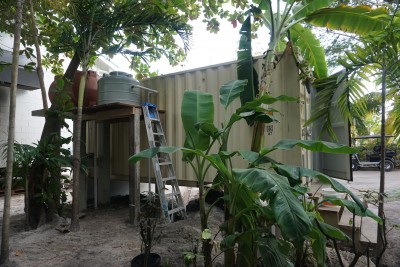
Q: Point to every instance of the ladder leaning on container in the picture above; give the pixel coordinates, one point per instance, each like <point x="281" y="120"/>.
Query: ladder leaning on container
<point x="167" y="184"/>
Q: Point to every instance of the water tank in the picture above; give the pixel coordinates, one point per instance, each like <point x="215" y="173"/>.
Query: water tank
<point x="118" y="87"/>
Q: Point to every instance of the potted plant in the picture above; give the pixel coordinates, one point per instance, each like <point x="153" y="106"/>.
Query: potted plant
<point x="148" y="220"/>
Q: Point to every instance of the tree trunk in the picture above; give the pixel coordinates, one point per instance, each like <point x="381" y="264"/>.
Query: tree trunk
<point x="265" y="86"/>
<point x="5" y="237"/>
<point x="381" y="244"/>
<point x="77" y="150"/>
<point x="50" y="131"/>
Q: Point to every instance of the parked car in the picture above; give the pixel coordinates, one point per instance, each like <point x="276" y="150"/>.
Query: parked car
<point x="372" y="158"/>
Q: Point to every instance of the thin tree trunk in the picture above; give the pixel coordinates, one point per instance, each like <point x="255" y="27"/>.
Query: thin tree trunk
<point x="38" y="57"/>
<point x="5" y="237"/>
<point x="381" y="244"/>
<point x="77" y="151"/>
<point x="265" y="87"/>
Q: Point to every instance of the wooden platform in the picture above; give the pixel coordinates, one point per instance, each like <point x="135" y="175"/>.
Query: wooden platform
<point x="103" y="116"/>
<point x="365" y="228"/>
<point x="15" y="191"/>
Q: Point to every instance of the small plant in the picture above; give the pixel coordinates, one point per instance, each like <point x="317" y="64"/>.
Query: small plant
<point x="190" y="257"/>
<point x="149" y="217"/>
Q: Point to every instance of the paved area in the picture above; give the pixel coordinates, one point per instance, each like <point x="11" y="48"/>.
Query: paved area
<point x="368" y="179"/>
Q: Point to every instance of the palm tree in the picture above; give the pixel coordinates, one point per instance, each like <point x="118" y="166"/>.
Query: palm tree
<point x="112" y="26"/>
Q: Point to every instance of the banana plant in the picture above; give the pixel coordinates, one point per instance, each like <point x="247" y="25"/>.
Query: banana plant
<point x="248" y="224"/>
<point x="286" y="21"/>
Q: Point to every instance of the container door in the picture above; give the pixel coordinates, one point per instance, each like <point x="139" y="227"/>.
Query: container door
<point x="334" y="165"/>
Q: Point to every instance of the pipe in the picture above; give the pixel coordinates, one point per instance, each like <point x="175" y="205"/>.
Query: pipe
<point x="95" y="165"/>
<point x="145" y="88"/>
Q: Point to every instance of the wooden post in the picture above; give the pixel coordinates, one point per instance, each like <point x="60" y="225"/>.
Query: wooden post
<point x="82" y="176"/>
<point x="134" y="169"/>
<point x="104" y="163"/>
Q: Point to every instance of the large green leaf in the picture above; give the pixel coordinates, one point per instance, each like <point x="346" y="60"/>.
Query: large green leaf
<point x="264" y="99"/>
<point x="303" y="9"/>
<point x="294" y="174"/>
<point x="315" y="146"/>
<point x="230" y="91"/>
<point x="355" y="208"/>
<point x="318" y="244"/>
<point x="290" y="216"/>
<point x="310" y="49"/>
<point x="274" y="252"/>
<point x="359" y="20"/>
<point x="245" y="63"/>
<point x="332" y="231"/>
<point x="197" y="108"/>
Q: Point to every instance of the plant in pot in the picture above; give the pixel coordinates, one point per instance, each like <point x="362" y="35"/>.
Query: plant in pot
<point x="150" y="216"/>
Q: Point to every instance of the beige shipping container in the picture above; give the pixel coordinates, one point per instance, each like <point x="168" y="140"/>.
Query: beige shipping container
<point x="171" y="88"/>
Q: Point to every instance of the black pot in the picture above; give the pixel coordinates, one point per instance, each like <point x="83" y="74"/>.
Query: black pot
<point x="154" y="260"/>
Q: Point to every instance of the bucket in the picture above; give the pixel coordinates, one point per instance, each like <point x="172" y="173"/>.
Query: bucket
<point x="329" y="193"/>
<point x="119" y="87"/>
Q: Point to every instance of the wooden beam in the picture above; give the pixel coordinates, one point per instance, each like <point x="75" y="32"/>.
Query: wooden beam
<point x="111" y="114"/>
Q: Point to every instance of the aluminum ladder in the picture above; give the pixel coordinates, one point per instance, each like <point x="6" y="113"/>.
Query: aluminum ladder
<point x="167" y="184"/>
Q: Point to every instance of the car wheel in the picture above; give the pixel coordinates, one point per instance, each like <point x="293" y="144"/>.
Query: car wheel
<point x="354" y="165"/>
<point x="389" y="166"/>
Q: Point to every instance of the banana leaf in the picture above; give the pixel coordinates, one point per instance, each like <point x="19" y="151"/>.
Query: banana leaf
<point x="245" y="69"/>
<point x="310" y="48"/>
<point x="230" y="91"/>
<point x="197" y="107"/>
<point x="274" y="188"/>
<point x="315" y="146"/>
<point x="303" y="9"/>
<point x="359" y="20"/>
<point x="274" y="252"/>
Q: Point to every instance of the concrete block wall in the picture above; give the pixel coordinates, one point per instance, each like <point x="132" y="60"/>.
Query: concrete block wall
<point x="27" y="128"/>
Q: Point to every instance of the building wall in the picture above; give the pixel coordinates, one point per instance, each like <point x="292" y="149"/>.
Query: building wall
<point x="209" y="79"/>
<point x="27" y="128"/>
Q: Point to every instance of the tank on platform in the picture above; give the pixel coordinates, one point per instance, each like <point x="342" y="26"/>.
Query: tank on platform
<point x="119" y="87"/>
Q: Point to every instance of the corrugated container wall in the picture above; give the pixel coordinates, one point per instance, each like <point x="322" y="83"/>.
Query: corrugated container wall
<point x="209" y="79"/>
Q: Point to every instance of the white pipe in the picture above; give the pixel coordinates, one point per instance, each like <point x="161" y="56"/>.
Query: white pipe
<point x="145" y="88"/>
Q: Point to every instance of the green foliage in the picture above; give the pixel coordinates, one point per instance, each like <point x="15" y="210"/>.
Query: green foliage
<point x="310" y="49"/>
<point x="141" y="30"/>
<point x="245" y="68"/>
<point x="276" y="190"/>
<point x="376" y="52"/>
<point x="248" y="224"/>
<point x="359" y="20"/>
<point x="198" y="108"/>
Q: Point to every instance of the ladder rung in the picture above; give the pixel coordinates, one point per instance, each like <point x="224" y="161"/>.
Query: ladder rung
<point x="164" y="163"/>
<point x="154" y="119"/>
<point x="169" y="178"/>
<point x="175" y="210"/>
<point x="158" y="134"/>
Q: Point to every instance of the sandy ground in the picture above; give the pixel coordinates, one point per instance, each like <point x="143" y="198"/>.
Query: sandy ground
<point x="107" y="239"/>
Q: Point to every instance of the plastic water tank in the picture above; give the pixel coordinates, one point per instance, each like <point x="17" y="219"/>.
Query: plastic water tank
<point x="118" y="86"/>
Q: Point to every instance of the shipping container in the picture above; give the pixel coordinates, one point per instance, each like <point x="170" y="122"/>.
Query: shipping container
<point x="171" y="88"/>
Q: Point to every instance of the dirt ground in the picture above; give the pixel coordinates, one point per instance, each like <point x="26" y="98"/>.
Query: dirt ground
<point x="107" y="239"/>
